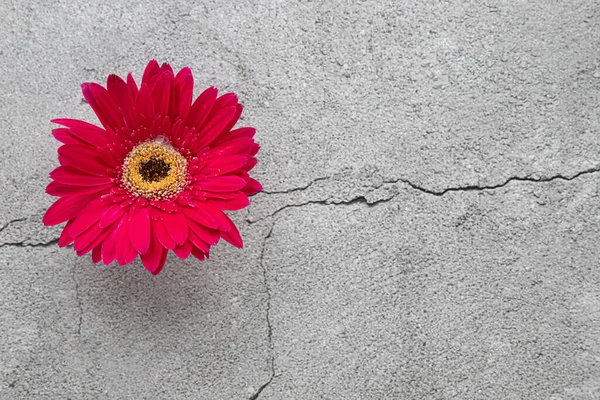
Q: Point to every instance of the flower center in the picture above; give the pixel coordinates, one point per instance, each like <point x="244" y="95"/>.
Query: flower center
<point x="154" y="170"/>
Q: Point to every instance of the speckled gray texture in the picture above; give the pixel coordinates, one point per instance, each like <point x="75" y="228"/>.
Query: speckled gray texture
<point x="429" y="227"/>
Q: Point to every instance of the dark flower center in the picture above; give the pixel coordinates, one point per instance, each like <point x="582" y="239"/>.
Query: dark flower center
<point x="154" y="170"/>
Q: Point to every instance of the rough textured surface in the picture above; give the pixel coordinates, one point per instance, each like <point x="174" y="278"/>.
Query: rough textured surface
<point x="429" y="228"/>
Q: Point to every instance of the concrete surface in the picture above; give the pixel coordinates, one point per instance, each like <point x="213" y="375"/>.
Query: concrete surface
<point x="429" y="227"/>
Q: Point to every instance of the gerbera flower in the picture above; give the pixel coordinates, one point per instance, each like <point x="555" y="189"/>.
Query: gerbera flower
<point x="157" y="176"/>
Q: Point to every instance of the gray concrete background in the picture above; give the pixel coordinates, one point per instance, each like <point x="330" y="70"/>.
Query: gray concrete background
<point x="429" y="229"/>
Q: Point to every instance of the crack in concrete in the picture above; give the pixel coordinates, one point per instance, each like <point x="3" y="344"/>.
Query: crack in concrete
<point x="79" y="303"/>
<point x="268" y="313"/>
<point x="24" y="244"/>
<point x="497" y="186"/>
<point x="3" y="227"/>
<point x="298" y="189"/>
<point x="469" y="188"/>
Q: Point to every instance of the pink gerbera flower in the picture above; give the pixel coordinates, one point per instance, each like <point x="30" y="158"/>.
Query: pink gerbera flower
<point x="157" y="176"/>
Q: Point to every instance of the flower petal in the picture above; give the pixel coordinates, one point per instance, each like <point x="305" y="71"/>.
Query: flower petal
<point x="122" y="96"/>
<point x="214" y="127"/>
<point x="109" y="247"/>
<point x="245" y="132"/>
<point x="225" y="164"/>
<point x="60" y="189"/>
<point x="112" y="214"/>
<point x="232" y="235"/>
<point x="65" y="136"/>
<point x="226" y="183"/>
<point x="183" y="88"/>
<point x="236" y="116"/>
<point x="161" y="93"/>
<point x="66" y="208"/>
<point x="241" y="145"/>
<point x="198" y="242"/>
<point x="154" y="258"/>
<point x="152" y="70"/>
<point x="200" y="215"/>
<point x="201" y="107"/>
<point x="177" y="226"/>
<point x="199" y="254"/>
<point x="102" y="104"/>
<point x="85" y="242"/>
<point x="71" y="176"/>
<point x="139" y="229"/>
<point x="210" y="236"/>
<point x="223" y="222"/>
<point x="97" y="254"/>
<point x="252" y="187"/>
<point x="159" y="230"/>
<point x="87" y="132"/>
<point x="240" y="201"/>
<point x="65" y="236"/>
<point x="183" y="251"/>
<point x="88" y="216"/>
<point x="144" y="106"/>
<point x="125" y="251"/>
<point x="82" y="157"/>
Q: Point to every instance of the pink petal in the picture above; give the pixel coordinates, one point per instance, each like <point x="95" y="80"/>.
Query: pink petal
<point x="246" y="132"/>
<point x="139" y="229"/>
<point x="200" y="215"/>
<point x="72" y="176"/>
<point x="223" y="222"/>
<point x="112" y="214"/>
<point x="198" y="242"/>
<point x="125" y="252"/>
<point x="88" y="217"/>
<point x="82" y="157"/>
<point x="201" y="107"/>
<point x="65" y="209"/>
<point x="199" y="254"/>
<point x="132" y="88"/>
<point x="232" y="235"/>
<point x="210" y="236"/>
<point x="183" y="88"/>
<point x="252" y="187"/>
<point x="177" y="226"/>
<point x="65" y="136"/>
<point x="104" y="107"/>
<point x="60" y="189"/>
<point x="214" y="127"/>
<point x="151" y="71"/>
<point x="121" y="95"/>
<point x="161" y="93"/>
<point x="97" y="240"/>
<point x="225" y="164"/>
<point x="223" y="184"/>
<point x="65" y="237"/>
<point x="237" y="203"/>
<point x="183" y="251"/>
<point x="238" y="112"/>
<point x="144" y="106"/>
<point x="165" y="67"/>
<point x="97" y="254"/>
<point x="236" y="146"/>
<point x="250" y="163"/>
<point x="159" y="230"/>
<point x="87" y="132"/>
<point x="85" y="242"/>
<point x="226" y="100"/>
<point x="109" y="247"/>
<point x="154" y="258"/>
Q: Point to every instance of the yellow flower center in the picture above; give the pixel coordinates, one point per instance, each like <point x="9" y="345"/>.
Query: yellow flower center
<point x="154" y="170"/>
